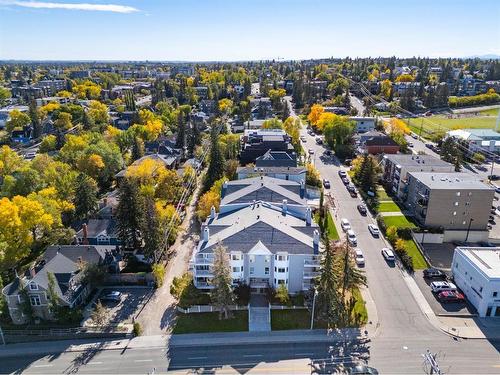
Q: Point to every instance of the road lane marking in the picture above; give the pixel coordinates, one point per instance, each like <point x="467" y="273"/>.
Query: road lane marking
<point x="252" y="355"/>
<point x="143" y="360"/>
<point x="197" y="357"/>
<point x="94" y="363"/>
<point x="43" y="365"/>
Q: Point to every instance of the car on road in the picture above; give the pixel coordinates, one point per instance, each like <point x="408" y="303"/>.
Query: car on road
<point x="351" y="237"/>
<point x="497" y="190"/>
<point x="410" y="144"/>
<point x="374" y="230"/>
<point x="429" y="145"/>
<point x="311" y="151"/>
<point x="303" y="138"/>
<point x="359" y="258"/>
<point x="345" y="225"/>
<point x="344" y="174"/>
<point x="494" y="177"/>
<point x="345" y="180"/>
<point x="414" y="136"/>
<point x="319" y="141"/>
<point x="388" y="254"/>
<point x="362" y="209"/>
<point x="30" y="155"/>
<point x="442" y="286"/>
<point x="327" y="153"/>
<point x="363" y="370"/>
<point x="433" y="273"/>
<point x="113" y="296"/>
<point x="347" y="161"/>
<point x="449" y="296"/>
<point x="326" y="183"/>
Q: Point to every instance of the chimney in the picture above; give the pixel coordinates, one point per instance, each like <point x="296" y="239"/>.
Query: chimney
<point x="206" y="234"/>
<point x="308" y="215"/>
<point x="224" y="189"/>
<point x="284" y="206"/>
<point x="302" y="189"/>
<point x="85" y="234"/>
<point x="212" y="212"/>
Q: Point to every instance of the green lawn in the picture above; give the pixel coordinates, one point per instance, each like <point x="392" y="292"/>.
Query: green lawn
<point x="331" y="229"/>
<point x="382" y="195"/>
<point x="437" y="123"/>
<point x="397" y="221"/>
<point x="388" y="207"/>
<point x="419" y="262"/>
<point x="360" y="307"/>
<point x="490" y="112"/>
<point x="290" y="319"/>
<point x="209" y="322"/>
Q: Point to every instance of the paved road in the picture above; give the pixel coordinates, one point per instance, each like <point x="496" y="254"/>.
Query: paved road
<point x="358" y="104"/>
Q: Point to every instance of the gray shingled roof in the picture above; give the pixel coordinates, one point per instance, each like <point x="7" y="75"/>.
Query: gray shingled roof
<point x="263" y="222"/>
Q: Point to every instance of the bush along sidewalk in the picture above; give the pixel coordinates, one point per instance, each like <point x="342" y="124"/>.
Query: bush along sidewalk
<point x="397" y="238"/>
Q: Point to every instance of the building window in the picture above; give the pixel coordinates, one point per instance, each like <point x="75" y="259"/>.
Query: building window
<point x="35" y="301"/>
<point x="281" y="270"/>
<point x="458" y="193"/>
<point x="281" y="257"/>
<point x="267" y="259"/>
<point x="470" y="193"/>
<point x="236" y="269"/>
<point x="495" y="294"/>
<point x="235" y="257"/>
<point x="480" y="289"/>
<point x="252" y="258"/>
<point x="281" y="282"/>
<point x="33" y="286"/>
<point x="266" y="270"/>
<point x="463" y="223"/>
<point x="252" y="269"/>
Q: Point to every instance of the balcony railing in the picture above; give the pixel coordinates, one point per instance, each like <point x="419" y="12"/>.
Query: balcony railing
<point x="203" y="260"/>
<point x="310" y="274"/>
<point x="202" y="284"/>
<point x="311" y="262"/>
<point x="203" y="272"/>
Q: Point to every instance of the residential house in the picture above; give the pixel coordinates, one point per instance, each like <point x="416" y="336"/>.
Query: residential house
<point x="169" y="161"/>
<point x="396" y="167"/>
<point x="297" y="174"/>
<point x="65" y="263"/>
<point x="101" y="231"/>
<point x="476" y="271"/>
<point x="208" y="106"/>
<point x="49" y="99"/>
<point x="363" y="124"/>
<point x="201" y="92"/>
<point x="451" y="201"/>
<point x="79" y="74"/>
<point x="51" y="86"/>
<point x="261" y="108"/>
<point x="276" y="159"/>
<point x="342" y="111"/>
<point x="256" y="143"/>
<point x="377" y="143"/>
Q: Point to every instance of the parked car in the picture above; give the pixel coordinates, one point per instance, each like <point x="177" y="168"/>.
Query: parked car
<point x="497" y="190"/>
<point x="303" y="138"/>
<point x="410" y="144"/>
<point x="450" y="296"/>
<point x="373" y="230"/>
<point x="363" y="370"/>
<point x="358" y="256"/>
<point x="344" y="174"/>
<point x="326" y="183"/>
<point x="442" y="286"/>
<point x="113" y="296"/>
<point x="414" y="136"/>
<point x="494" y="177"/>
<point x="327" y="153"/>
<point x="433" y="273"/>
<point x="429" y="145"/>
<point x="388" y="254"/>
<point x="351" y="237"/>
<point x="311" y="151"/>
<point x="345" y="180"/>
<point x="344" y="223"/>
<point x="362" y="209"/>
<point x="319" y="141"/>
<point x="353" y="193"/>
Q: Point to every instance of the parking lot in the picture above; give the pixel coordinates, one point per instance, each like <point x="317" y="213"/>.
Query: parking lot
<point x="131" y="302"/>
<point x="440" y="255"/>
<point x="443" y="309"/>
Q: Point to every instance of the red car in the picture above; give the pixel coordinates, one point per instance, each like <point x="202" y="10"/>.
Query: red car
<point x="451" y="296"/>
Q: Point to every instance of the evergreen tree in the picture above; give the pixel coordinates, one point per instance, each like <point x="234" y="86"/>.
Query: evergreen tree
<point x="216" y="166"/>
<point x="222" y="294"/>
<point x="129" y="213"/>
<point x="350" y="276"/>
<point x="53" y="300"/>
<point x="152" y="231"/>
<point x="286" y="111"/>
<point x="85" y="199"/>
<point x="327" y="301"/>
<point x="180" y="141"/>
<point x="194" y="138"/>
<point x="35" y="120"/>
<point x="137" y="149"/>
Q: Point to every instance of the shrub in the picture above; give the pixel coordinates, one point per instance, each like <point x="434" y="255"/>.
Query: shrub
<point x="400" y="245"/>
<point x="137" y="329"/>
<point x="404" y="233"/>
<point x="185" y="292"/>
<point x="282" y="294"/>
<point x="392" y="234"/>
<point x="159" y="274"/>
<point x="381" y="224"/>
<point x="406" y="259"/>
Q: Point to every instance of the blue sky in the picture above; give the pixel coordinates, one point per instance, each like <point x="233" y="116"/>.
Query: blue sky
<point x="245" y="29"/>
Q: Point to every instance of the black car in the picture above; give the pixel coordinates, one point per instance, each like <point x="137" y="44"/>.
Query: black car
<point x="362" y="209"/>
<point x="345" y="180"/>
<point x="363" y="370"/>
<point x="433" y="273"/>
<point x="326" y="183"/>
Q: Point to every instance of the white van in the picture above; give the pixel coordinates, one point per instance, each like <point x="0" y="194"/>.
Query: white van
<point x="344" y="223"/>
<point x="351" y="237"/>
<point x="442" y="286"/>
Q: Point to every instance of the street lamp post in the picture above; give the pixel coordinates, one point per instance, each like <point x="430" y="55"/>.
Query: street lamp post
<point x="423" y="235"/>
<point x="468" y="230"/>
<point x="314" y="305"/>
<point x="1" y="335"/>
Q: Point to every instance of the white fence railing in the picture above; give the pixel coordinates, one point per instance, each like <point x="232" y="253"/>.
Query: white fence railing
<point x="207" y="308"/>
<point x="281" y="307"/>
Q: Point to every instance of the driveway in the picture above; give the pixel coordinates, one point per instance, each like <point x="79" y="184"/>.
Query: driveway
<point x="132" y="301"/>
<point x="441" y="309"/>
<point x="440" y="255"/>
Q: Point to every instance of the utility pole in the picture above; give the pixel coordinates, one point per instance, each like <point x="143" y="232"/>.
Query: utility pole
<point x="431" y="361"/>
<point x="313" y="306"/>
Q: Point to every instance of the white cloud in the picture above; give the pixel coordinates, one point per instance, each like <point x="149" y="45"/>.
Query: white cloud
<point x="73" y="6"/>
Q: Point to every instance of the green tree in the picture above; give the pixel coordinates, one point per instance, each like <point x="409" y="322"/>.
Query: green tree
<point x="274" y="123"/>
<point x="158" y="274"/>
<point x="35" y="120"/>
<point x="129" y="213"/>
<point x="17" y="120"/>
<point x="152" y="230"/>
<point x="216" y="166"/>
<point x="53" y="299"/>
<point x="338" y="133"/>
<point x="137" y="149"/>
<point x="282" y="294"/>
<point x="327" y="302"/>
<point x="88" y="122"/>
<point x="85" y="199"/>
<point x="350" y="276"/>
<point x="4" y="95"/>
<point x="222" y="294"/>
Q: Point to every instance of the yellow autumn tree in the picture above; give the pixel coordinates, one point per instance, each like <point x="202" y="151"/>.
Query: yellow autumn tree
<point x="169" y="185"/>
<point x="225" y="105"/>
<point x="146" y="172"/>
<point x="314" y="115"/>
<point x="207" y="200"/>
<point x="396" y="125"/>
<point x="405" y="78"/>
<point x="91" y="164"/>
<point x="325" y="118"/>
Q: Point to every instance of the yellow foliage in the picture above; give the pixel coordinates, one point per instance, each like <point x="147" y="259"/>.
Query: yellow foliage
<point x="396" y="125"/>
<point x="314" y="115"/>
<point x="405" y="78"/>
<point x="64" y="94"/>
<point x="325" y="118"/>
<point x="111" y="133"/>
<point x="190" y="81"/>
<point x="153" y="129"/>
<point x="146" y="171"/>
<point x="49" y="108"/>
<point x="225" y="105"/>
<point x="205" y="204"/>
<point x="10" y="161"/>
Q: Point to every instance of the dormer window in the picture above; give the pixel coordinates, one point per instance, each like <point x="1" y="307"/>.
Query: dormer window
<point x="33" y="286"/>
